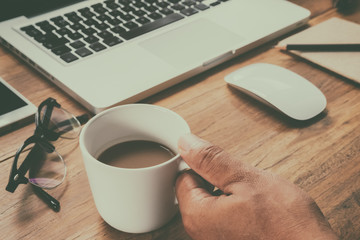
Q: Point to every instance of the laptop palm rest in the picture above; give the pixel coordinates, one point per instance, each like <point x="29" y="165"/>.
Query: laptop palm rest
<point x="193" y="43"/>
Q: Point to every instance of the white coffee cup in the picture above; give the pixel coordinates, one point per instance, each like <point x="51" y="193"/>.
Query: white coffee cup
<point x="133" y="200"/>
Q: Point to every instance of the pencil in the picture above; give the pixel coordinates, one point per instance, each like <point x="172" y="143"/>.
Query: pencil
<point x="321" y="47"/>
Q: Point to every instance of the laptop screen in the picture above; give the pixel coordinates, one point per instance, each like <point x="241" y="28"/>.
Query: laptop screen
<point x="15" y="8"/>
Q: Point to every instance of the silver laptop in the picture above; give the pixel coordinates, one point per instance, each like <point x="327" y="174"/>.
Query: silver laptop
<point x="105" y="53"/>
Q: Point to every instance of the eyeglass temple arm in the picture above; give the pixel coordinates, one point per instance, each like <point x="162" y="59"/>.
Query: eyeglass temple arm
<point x="50" y="102"/>
<point x="17" y="176"/>
<point x="25" y="166"/>
<point x="47" y="198"/>
<point x="68" y="127"/>
<point x="83" y="118"/>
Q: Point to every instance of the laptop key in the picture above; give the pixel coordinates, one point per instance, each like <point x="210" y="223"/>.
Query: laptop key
<point x="142" y="20"/>
<point x="151" y="26"/>
<point x="201" y="6"/>
<point x="76" y="26"/>
<point x="63" y="31"/>
<point x="33" y="32"/>
<point x="112" y="41"/>
<point x="77" y="44"/>
<point x="127" y="17"/>
<point x="53" y="43"/>
<point x="189" y="2"/>
<point x="166" y="11"/>
<point x="60" y="21"/>
<point x="178" y="7"/>
<point x="111" y="5"/>
<point x="131" y="25"/>
<point x="101" y="26"/>
<point x="68" y="57"/>
<point x="118" y="29"/>
<point x="27" y="28"/>
<point x="46" y="37"/>
<point x="47" y="27"/>
<point x="89" y="22"/>
<point x="73" y="17"/>
<point x="91" y="39"/>
<point x="75" y="36"/>
<point x="151" y="8"/>
<point x="139" y="13"/>
<point x="155" y="16"/>
<point x="99" y="8"/>
<point x="97" y="47"/>
<point x="105" y="34"/>
<point x="188" y="11"/>
<point x="139" y="4"/>
<point x="86" y="13"/>
<point x="162" y="4"/>
<point x="41" y="38"/>
<point x="214" y="3"/>
<point x="89" y="31"/>
<point x="115" y="13"/>
<point x="114" y="21"/>
<point x="83" y="52"/>
<point x="103" y="18"/>
<point x="56" y="19"/>
<point x="42" y="23"/>
<point x="128" y="9"/>
<point x="61" y="50"/>
<point x="124" y="2"/>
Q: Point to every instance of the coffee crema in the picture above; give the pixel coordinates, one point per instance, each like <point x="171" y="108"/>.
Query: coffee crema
<point x="136" y="154"/>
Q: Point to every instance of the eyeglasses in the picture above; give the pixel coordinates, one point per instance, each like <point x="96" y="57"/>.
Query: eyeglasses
<point x="38" y="156"/>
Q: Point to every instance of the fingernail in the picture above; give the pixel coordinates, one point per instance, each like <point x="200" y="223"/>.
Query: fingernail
<point x="188" y="142"/>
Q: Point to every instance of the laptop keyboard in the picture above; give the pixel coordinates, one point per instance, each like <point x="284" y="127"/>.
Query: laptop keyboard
<point x="78" y="34"/>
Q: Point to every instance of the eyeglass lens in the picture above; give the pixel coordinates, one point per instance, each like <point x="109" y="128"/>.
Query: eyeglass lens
<point x="60" y="121"/>
<point x="47" y="168"/>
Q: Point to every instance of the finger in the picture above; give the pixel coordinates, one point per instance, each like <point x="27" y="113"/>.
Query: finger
<point x="191" y="192"/>
<point x="205" y="184"/>
<point x="212" y="163"/>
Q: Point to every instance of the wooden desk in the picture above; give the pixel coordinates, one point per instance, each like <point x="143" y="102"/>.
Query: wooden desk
<point x="322" y="157"/>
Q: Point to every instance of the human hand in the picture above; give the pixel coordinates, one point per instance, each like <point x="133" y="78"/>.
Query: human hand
<point x="252" y="204"/>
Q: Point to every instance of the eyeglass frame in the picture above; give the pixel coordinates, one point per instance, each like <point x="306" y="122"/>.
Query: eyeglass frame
<point x="41" y="138"/>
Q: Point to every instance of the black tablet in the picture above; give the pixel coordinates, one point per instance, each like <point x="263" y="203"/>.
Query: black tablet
<point x="15" y="109"/>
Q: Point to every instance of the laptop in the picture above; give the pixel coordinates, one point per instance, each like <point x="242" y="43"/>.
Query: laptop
<point x="110" y="52"/>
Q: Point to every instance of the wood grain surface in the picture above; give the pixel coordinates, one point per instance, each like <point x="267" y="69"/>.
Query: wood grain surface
<point x="322" y="156"/>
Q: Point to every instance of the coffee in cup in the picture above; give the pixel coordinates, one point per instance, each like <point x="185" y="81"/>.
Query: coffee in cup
<point x="136" y="154"/>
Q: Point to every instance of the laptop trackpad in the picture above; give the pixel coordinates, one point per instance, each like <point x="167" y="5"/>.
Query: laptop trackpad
<point x="193" y="43"/>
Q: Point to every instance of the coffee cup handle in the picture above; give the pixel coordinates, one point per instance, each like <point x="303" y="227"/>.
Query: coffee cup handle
<point x="182" y="166"/>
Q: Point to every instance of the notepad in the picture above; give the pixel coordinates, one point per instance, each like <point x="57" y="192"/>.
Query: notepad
<point x="334" y="30"/>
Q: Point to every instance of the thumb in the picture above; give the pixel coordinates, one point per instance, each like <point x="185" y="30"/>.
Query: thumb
<point x="212" y="163"/>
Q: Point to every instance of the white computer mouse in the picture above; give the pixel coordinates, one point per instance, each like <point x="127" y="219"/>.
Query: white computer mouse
<point x="280" y="88"/>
